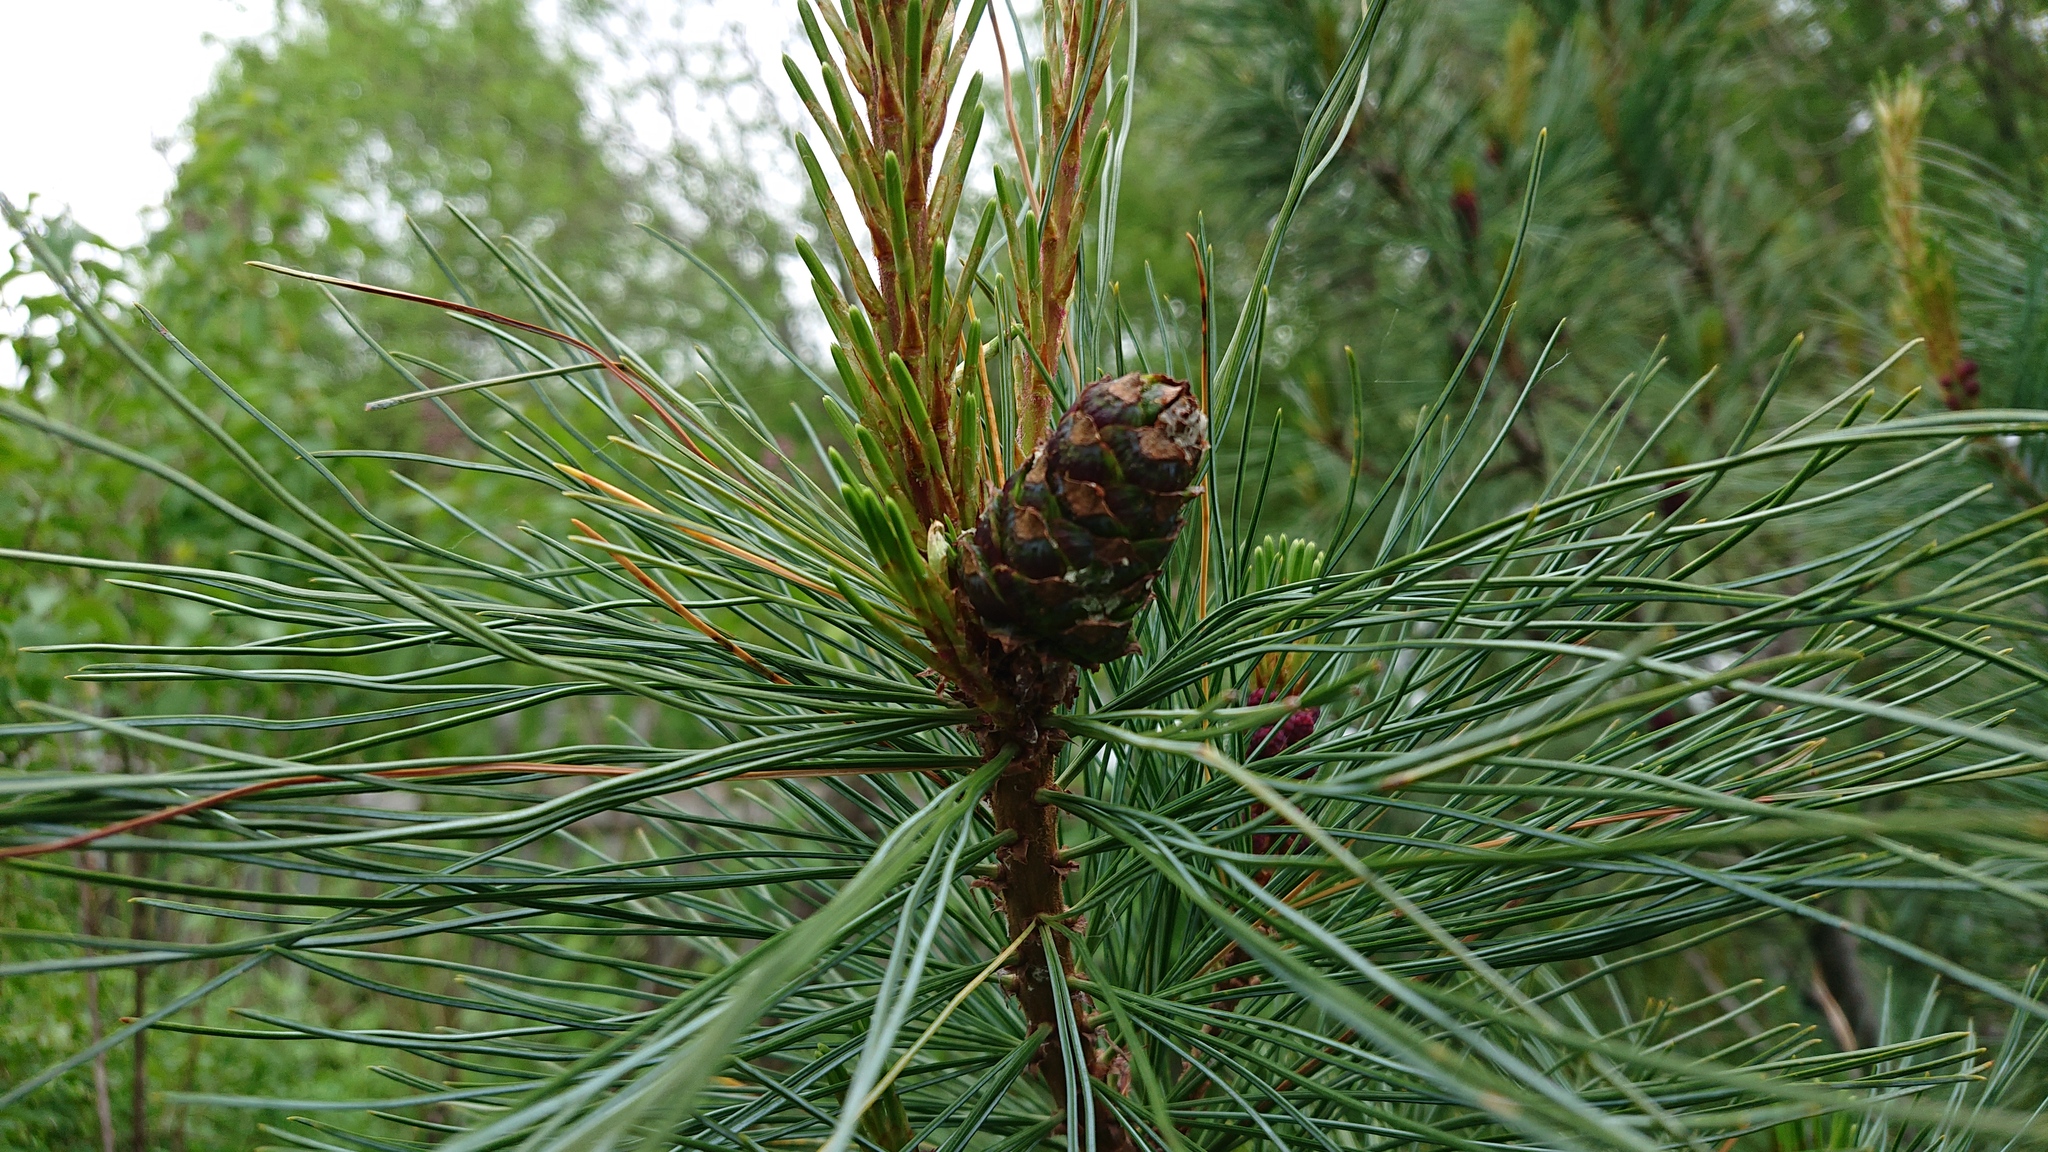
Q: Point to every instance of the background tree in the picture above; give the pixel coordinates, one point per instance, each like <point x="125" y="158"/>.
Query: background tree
<point x="1717" y="184"/>
<point x="1713" y="192"/>
<point x="348" y="139"/>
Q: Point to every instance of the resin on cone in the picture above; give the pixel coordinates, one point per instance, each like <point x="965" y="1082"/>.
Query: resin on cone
<point x="1066" y="555"/>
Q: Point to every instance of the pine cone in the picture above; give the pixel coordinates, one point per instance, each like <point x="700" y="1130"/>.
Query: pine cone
<point x="1066" y="555"/>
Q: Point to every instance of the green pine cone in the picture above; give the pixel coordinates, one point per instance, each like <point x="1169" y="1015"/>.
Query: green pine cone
<point x="1066" y="555"/>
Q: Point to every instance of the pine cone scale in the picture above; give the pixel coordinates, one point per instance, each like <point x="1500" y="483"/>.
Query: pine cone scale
<point x="1065" y="557"/>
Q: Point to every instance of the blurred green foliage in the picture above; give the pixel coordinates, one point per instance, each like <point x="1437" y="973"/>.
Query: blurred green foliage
<point x="358" y="135"/>
<point x="1710" y="192"/>
<point x="349" y="141"/>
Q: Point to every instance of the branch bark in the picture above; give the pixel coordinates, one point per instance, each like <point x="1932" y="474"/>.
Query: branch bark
<point x="1030" y="879"/>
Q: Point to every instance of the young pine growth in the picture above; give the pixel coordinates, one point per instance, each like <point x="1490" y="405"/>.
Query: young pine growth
<point x="1925" y="272"/>
<point x="901" y="325"/>
<point x="1277" y="562"/>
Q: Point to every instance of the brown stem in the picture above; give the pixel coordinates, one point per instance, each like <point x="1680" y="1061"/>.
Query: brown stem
<point x="1030" y="880"/>
<point x="1032" y="886"/>
<point x="1032" y="883"/>
<point x="1067" y="119"/>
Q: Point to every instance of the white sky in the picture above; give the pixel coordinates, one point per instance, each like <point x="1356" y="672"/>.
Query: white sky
<point x="89" y="87"/>
<point x="93" y="92"/>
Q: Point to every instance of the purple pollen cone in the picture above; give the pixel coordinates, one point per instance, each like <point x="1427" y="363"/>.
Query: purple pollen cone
<point x="1273" y="739"/>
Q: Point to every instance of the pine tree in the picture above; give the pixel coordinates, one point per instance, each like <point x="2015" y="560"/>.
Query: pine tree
<point x="1228" y="841"/>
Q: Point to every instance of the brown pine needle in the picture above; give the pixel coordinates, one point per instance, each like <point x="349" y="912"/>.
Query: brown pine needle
<point x="699" y="535"/>
<point x="991" y="448"/>
<point x="1010" y="112"/>
<point x="677" y="606"/>
<point x="611" y="490"/>
<point x="620" y="369"/>
<point x="758" y="560"/>
<point x="426" y="771"/>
